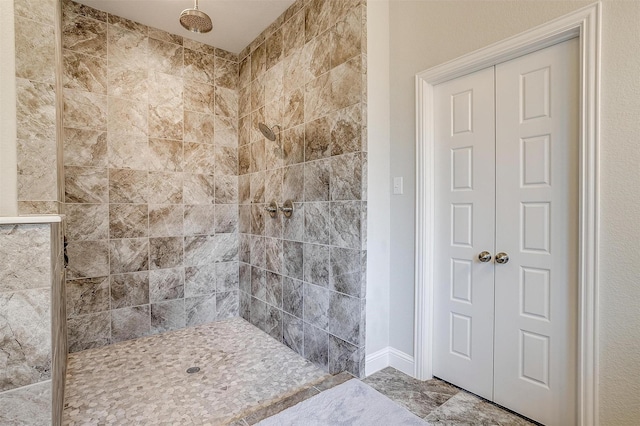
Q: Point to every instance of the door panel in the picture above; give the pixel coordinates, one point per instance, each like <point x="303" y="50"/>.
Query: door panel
<point x="465" y="190"/>
<point x="536" y="224"/>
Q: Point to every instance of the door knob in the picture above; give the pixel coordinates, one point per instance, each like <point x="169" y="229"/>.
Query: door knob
<point x="502" y="258"/>
<point x="484" y="256"/>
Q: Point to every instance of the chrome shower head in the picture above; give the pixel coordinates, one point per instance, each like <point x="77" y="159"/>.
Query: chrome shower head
<point x="195" y="20"/>
<point x="267" y="131"/>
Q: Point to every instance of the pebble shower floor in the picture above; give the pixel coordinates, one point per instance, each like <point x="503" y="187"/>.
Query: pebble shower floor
<point x="145" y="381"/>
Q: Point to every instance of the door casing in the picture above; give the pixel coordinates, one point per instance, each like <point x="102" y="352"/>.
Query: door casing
<point x="585" y="25"/>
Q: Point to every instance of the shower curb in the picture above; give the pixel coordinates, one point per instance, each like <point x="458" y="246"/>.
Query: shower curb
<point x="273" y="407"/>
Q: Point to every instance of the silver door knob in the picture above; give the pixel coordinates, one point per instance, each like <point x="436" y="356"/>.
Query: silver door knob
<point x="502" y="258"/>
<point x="484" y="256"/>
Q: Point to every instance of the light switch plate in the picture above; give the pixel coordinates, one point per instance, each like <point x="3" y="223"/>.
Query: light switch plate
<point x="398" y="185"/>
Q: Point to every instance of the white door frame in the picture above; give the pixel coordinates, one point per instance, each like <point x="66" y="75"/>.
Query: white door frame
<point x="585" y="24"/>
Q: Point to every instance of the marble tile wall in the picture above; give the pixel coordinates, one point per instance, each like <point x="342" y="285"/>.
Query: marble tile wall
<point x="151" y="181"/>
<point x="302" y="280"/>
<point x="25" y="313"/>
<point x="37" y="98"/>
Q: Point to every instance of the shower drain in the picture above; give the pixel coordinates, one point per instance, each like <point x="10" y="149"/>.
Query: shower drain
<point x="192" y="370"/>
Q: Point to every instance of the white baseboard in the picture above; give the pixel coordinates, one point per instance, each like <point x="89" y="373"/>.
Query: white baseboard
<point x="376" y="361"/>
<point x="401" y="361"/>
<point x="389" y="357"/>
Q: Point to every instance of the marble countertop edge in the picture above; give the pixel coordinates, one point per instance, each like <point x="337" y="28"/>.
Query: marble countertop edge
<point x="18" y="220"/>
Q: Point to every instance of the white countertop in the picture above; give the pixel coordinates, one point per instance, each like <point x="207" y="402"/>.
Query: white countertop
<point x="15" y="220"/>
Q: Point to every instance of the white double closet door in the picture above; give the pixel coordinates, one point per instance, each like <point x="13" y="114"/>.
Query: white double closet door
<point x="507" y="182"/>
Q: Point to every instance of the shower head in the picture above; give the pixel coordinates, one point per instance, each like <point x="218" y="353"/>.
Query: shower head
<point x="268" y="132"/>
<point x="195" y="20"/>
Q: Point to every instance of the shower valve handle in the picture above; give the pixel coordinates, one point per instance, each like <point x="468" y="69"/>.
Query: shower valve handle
<point x="272" y="209"/>
<point x="287" y="208"/>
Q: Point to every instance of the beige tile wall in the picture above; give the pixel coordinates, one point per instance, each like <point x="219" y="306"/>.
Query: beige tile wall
<point x="26" y="322"/>
<point x="150" y="162"/>
<point x="36" y="103"/>
<point x="167" y="177"/>
<point x="302" y="279"/>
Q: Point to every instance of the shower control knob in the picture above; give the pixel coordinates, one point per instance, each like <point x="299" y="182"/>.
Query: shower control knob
<point x="502" y="258"/>
<point x="272" y="209"/>
<point x="484" y="256"/>
<point x="287" y="208"/>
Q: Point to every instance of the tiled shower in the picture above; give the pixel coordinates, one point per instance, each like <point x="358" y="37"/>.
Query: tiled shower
<point x="302" y="279"/>
<point x="148" y="142"/>
<point x="150" y="163"/>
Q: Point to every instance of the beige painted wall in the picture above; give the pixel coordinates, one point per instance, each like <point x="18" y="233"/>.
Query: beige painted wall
<point x="379" y="184"/>
<point x="428" y="33"/>
<point x="8" y="161"/>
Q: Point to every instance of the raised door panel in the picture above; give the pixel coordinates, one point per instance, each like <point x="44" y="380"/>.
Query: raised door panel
<point x="536" y="224"/>
<point x="463" y="293"/>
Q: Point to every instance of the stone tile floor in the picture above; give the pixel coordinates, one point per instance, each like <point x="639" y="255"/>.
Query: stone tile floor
<point x="144" y="381"/>
<point x="440" y="403"/>
<point x="435" y="401"/>
<point x="245" y="376"/>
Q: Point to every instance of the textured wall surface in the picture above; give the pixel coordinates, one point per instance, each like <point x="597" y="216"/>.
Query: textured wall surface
<point x="150" y="162"/>
<point x="25" y="315"/>
<point x="35" y="50"/>
<point x="302" y="279"/>
<point x="25" y="300"/>
<point x="33" y="355"/>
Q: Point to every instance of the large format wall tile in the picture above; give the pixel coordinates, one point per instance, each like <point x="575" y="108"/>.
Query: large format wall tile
<point x="199" y="127"/>
<point x="129" y="255"/>
<point x="167" y="316"/>
<point x="130" y="289"/>
<point x="89" y="331"/>
<point x="88" y="259"/>
<point x="89" y="295"/>
<point x="85" y="110"/>
<point x="127" y="48"/>
<point x="165" y="57"/>
<point x="84" y="72"/>
<point x="38" y="10"/>
<point x="301" y="279"/>
<point x="85" y="147"/>
<point x="37" y="176"/>
<point x="86" y="184"/>
<point x="83" y="34"/>
<point x="31" y="402"/>
<point x="35" y="110"/>
<point x="166" y="220"/>
<point x="151" y="161"/>
<point x="166" y="284"/>
<point x="25" y="249"/>
<point x="125" y="82"/>
<point x="130" y="323"/>
<point x="183" y="149"/>
<point x="25" y="330"/>
<point x="35" y="50"/>
<point x="200" y="310"/>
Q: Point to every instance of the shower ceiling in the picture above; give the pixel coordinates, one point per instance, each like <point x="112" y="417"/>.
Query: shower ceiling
<point x="235" y="22"/>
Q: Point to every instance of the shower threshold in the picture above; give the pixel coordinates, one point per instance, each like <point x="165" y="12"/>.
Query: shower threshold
<point x="145" y="381"/>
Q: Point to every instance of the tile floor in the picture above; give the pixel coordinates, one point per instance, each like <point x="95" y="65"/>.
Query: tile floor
<point x="144" y="381"/>
<point x="440" y="403"/>
<point x="245" y="376"/>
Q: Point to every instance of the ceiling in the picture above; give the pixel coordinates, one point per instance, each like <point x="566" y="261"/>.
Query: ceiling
<point x="235" y="22"/>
